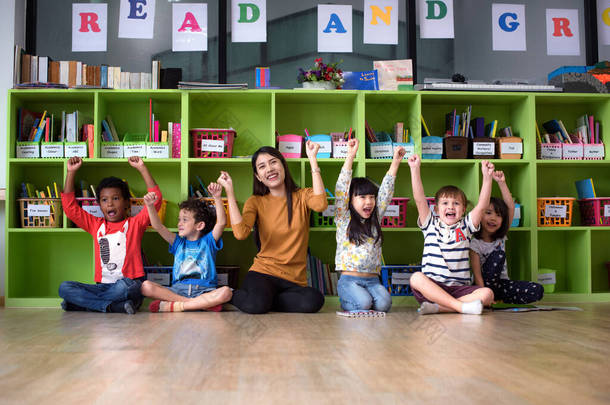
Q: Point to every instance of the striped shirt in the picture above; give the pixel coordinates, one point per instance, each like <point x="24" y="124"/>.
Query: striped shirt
<point x="445" y="257"/>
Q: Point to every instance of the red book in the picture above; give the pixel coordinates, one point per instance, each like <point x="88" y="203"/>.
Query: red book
<point x="90" y="142"/>
<point x="46" y="129"/>
<point x="176" y="140"/>
<point x="156" y="131"/>
<point x="150" y="120"/>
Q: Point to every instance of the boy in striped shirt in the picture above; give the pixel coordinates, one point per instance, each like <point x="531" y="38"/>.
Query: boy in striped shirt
<point x="444" y="284"/>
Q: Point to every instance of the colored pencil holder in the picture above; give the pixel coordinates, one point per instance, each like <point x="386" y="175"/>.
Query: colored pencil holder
<point x="555" y="211"/>
<point x="595" y="211"/>
<point x="325" y="219"/>
<point x="396" y="213"/>
<point x="455" y="147"/>
<point x="594" y="151"/>
<point x="549" y="151"/>
<point x="225" y="204"/>
<point x="547" y="277"/>
<point x="382" y="149"/>
<point x="397" y="279"/>
<point x="290" y="145"/>
<point x="509" y="147"/>
<point x="212" y="142"/>
<point x="326" y="145"/>
<point x="40" y="212"/>
<point x="432" y="147"/>
<point x="483" y="148"/>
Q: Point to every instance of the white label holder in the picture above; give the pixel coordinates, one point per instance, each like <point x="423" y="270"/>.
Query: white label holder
<point x="39" y="210"/>
<point x="556" y="211"/>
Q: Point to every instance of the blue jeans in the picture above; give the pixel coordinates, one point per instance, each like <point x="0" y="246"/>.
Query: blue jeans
<point x="97" y="297"/>
<point x="190" y="290"/>
<point x="363" y="293"/>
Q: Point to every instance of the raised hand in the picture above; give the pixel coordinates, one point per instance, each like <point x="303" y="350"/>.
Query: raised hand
<point x="399" y="153"/>
<point x="215" y="190"/>
<point x="311" y="148"/>
<point x="352" y="147"/>
<point x="414" y="161"/>
<point x="136" y="162"/>
<point x="150" y="198"/>
<point x="498" y="176"/>
<point x="487" y="168"/>
<point x="74" y="163"/>
<point x="225" y="180"/>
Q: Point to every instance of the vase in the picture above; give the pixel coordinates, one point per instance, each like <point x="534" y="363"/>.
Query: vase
<point x="319" y="85"/>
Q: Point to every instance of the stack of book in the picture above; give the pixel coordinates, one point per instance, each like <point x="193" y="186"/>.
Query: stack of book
<point x="320" y="277"/>
<point x="211" y="86"/>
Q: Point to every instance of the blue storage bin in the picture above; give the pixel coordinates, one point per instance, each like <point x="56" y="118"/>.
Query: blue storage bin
<point x="325" y="142"/>
<point x="409" y="148"/>
<point x="380" y="150"/>
<point x="517" y="217"/>
<point x="396" y="278"/>
<point x="432" y="147"/>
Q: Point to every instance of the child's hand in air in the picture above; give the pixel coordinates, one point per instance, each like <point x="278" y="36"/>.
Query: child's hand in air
<point x="74" y="163"/>
<point x="498" y="176"/>
<point x="136" y="162"/>
<point x="414" y="161"/>
<point x="352" y="147"/>
<point x="215" y="190"/>
<point x="150" y="198"/>
<point x="399" y="153"/>
<point x="225" y="180"/>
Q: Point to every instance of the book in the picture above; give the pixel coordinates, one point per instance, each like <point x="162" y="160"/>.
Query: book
<point x="585" y="188"/>
<point x="26" y="120"/>
<point x="17" y="56"/>
<point x="26" y="66"/>
<point x="478" y="127"/>
<point x="43" y="69"/>
<point x="34" y="68"/>
<point x="176" y="140"/>
<point x="64" y="72"/>
<point x="366" y="80"/>
<point x="362" y="313"/>
<point x="529" y="308"/>
<point x="425" y="130"/>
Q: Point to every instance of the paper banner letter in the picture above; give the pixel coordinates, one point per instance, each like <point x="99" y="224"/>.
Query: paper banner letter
<point x="189" y="27"/>
<point x="249" y="20"/>
<point x="380" y="22"/>
<point x="562" y="32"/>
<point x="603" y="22"/>
<point x="435" y="18"/>
<point x="89" y="27"/>
<point x="508" y="27"/>
<point x="334" y="28"/>
<point x="137" y="19"/>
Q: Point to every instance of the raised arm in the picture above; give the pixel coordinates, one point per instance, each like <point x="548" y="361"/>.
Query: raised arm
<point x="137" y="163"/>
<point x="498" y="176"/>
<point x="419" y="196"/>
<point x="311" y="148"/>
<point x="399" y="153"/>
<point x="344" y="181"/>
<point x="477" y="213"/>
<point x="155" y="221"/>
<point x="215" y="190"/>
<point x="74" y="163"/>
<point x="352" y="150"/>
<point x="226" y="182"/>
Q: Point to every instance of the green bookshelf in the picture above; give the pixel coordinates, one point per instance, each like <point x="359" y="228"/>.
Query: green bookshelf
<point x="38" y="259"/>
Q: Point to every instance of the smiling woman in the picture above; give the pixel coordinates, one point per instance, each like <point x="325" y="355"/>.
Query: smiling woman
<point x="279" y="212"/>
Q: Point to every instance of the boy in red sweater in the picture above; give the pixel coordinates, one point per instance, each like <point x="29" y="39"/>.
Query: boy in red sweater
<point x="117" y="238"/>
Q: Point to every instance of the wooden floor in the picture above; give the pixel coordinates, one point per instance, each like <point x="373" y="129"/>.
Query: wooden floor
<point x="49" y="356"/>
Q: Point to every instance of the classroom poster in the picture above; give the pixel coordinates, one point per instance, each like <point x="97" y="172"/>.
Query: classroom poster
<point x="603" y="21"/>
<point x="89" y="27"/>
<point x="508" y="27"/>
<point x="435" y="18"/>
<point x="249" y="20"/>
<point x="189" y="27"/>
<point x="137" y="19"/>
<point x="334" y="28"/>
<point x="562" y="32"/>
<point x="380" y="22"/>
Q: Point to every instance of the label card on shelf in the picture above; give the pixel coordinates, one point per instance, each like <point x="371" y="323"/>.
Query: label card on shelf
<point x="547" y="278"/>
<point x="408" y="147"/>
<point x="511" y="147"/>
<point x="94" y="210"/>
<point x="289" y="147"/>
<point x="556" y="211"/>
<point x="401" y="278"/>
<point x="572" y="151"/>
<point x="392" y="211"/>
<point x="432" y="148"/>
<point x="484" y="148"/>
<point x="157" y="150"/>
<point x="381" y="150"/>
<point x="28" y="150"/>
<point x="136" y="149"/>
<point x="39" y="210"/>
<point x="329" y="211"/>
<point x="112" y="149"/>
<point x="550" y="151"/>
<point x="594" y="151"/>
<point x="72" y="149"/>
<point x="52" y="150"/>
<point x="212" y="145"/>
<point x="607" y="210"/>
<point x="339" y="149"/>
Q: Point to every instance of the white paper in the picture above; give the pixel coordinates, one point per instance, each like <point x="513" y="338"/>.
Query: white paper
<point x="603" y="21"/>
<point x="157" y="151"/>
<point x="189" y="27"/>
<point x="401" y="278"/>
<point x="289" y="147"/>
<point x="138" y="149"/>
<point x="52" y="150"/>
<point x="562" y="32"/>
<point x="79" y="149"/>
<point x="112" y="151"/>
<point x="435" y="18"/>
<point x="39" y="210"/>
<point x="607" y="210"/>
<point x="550" y="152"/>
<point x="508" y="27"/>
<point x="556" y="211"/>
<point x="380" y="22"/>
<point x="484" y="148"/>
<point x="249" y="21"/>
<point x="593" y="151"/>
<point x="212" y="145"/>
<point x="572" y="151"/>
<point x="381" y="151"/>
<point x="340" y="149"/>
<point x="137" y="19"/>
<point x="432" y="148"/>
<point x="89" y="27"/>
<point x="511" y="147"/>
<point x="546" y="278"/>
<point x="94" y="210"/>
<point x="392" y="211"/>
<point x="334" y="28"/>
<point x="28" y="151"/>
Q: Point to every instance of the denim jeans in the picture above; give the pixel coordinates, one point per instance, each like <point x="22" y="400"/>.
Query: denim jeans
<point x="97" y="297"/>
<point x="190" y="290"/>
<point x="363" y="293"/>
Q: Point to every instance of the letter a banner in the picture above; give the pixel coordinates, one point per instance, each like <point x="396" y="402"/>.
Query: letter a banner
<point x="562" y="32"/>
<point x="249" y="20"/>
<point x="508" y="27"/>
<point x="435" y="18"/>
<point x="189" y="27"/>
<point x="137" y="19"/>
<point x="603" y="21"/>
<point x="380" y="22"/>
<point x="89" y="27"/>
<point x="334" y="28"/>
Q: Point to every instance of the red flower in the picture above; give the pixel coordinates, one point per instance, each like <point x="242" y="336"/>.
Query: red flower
<point x="318" y="60"/>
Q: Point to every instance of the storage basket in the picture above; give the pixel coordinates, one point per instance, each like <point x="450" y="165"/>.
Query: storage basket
<point x="325" y="219"/>
<point x="90" y="205"/>
<point x="595" y="211"/>
<point x="40" y="212"/>
<point x="382" y="149"/>
<point x="325" y="143"/>
<point x="397" y="279"/>
<point x="225" y="204"/>
<point x="396" y="213"/>
<point x="509" y="147"/>
<point x="290" y="145"/>
<point x="483" y="148"/>
<point x="455" y="147"/>
<point x="431" y="147"/>
<point x="137" y="205"/>
<point x="212" y="142"/>
<point x="555" y="211"/>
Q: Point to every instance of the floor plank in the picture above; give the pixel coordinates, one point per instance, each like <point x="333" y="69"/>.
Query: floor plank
<point x="48" y="356"/>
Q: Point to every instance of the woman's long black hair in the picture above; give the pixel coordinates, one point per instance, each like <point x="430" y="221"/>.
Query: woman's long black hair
<point x="359" y="229"/>
<point x="258" y="188"/>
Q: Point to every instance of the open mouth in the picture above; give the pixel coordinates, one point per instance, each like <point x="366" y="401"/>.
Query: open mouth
<point x="367" y="211"/>
<point x="273" y="177"/>
<point x="111" y="213"/>
<point x="450" y="215"/>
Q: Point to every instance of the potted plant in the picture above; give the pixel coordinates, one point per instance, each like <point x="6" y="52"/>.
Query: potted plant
<point x="321" y="76"/>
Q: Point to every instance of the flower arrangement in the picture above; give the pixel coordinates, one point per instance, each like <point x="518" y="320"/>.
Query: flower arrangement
<point x="322" y="72"/>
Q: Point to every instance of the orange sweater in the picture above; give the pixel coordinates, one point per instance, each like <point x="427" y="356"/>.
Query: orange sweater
<point x="283" y="251"/>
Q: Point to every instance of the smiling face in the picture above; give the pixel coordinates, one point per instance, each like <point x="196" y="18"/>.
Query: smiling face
<point x="492" y="220"/>
<point x="450" y="209"/>
<point x="270" y="171"/>
<point x="188" y="227"/>
<point x="113" y="205"/>
<point x="364" y="204"/>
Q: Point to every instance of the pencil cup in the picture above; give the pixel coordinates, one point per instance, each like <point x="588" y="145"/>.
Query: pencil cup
<point x="40" y="212"/>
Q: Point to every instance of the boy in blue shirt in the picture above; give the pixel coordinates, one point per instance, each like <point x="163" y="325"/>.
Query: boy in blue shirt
<point x="194" y="250"/>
